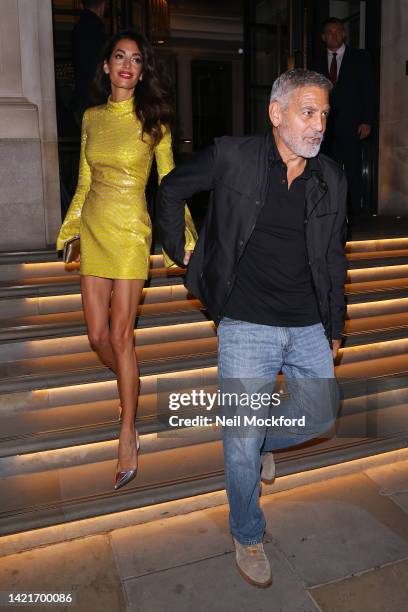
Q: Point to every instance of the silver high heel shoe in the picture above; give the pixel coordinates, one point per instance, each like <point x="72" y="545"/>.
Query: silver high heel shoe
<point x="122" y="477"/>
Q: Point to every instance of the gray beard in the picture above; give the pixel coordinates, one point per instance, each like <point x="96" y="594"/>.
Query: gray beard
<point x="298" y="146"/>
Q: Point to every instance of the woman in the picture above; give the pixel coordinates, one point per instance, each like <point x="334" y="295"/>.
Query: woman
<point x="108" y="211"/>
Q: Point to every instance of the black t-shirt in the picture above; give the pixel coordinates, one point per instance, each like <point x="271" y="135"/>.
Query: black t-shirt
<point x="274" y="285"/>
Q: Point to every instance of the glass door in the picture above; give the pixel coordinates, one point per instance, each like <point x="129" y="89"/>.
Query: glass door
<point x="274" y="41"/>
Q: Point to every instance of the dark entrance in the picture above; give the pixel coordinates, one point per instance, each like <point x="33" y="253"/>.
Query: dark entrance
<point x="212" y="101"/>
<point x="283" y="34"/>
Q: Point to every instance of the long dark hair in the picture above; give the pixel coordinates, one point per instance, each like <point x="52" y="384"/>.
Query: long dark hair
<point x="152" y="95"/>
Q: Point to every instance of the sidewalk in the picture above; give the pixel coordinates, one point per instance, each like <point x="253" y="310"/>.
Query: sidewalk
<point x="337" y="545"/>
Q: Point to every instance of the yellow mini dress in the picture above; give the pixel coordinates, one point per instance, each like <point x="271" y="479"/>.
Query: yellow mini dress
<point x="109" y="209"/>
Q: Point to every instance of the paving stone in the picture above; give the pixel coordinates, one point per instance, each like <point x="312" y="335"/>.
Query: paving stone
<point x="392" y="481"/>
<point x="336" y="528"/>
<point x="171" y="542"/>
<point x="391" y="478"/>
<point x="85" y="567"/>
<point x="380" y="590"/>
<point x="401" y="499"/>
<point x="215" y="584"/>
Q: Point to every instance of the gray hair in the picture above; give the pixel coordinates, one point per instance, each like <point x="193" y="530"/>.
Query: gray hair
<point x="287" y="82"/>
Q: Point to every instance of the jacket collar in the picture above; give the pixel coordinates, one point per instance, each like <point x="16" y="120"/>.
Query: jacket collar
<point x="316" y="187"/>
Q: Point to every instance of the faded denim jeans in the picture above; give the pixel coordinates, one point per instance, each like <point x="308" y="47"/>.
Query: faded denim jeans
<point x="250" y="357"/>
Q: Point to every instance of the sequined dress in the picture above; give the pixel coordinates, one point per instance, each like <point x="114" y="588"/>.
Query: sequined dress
<point x="109" y="209"/>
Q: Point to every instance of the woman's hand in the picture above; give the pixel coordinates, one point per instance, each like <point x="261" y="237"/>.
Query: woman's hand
<point x="336" y="345"/>
<point x="78" y="258"/>
<point x="187" y="255"/>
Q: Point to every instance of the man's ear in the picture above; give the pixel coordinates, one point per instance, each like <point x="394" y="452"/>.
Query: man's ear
<point x="275" y="113"/>
<point x="323" y="35"/>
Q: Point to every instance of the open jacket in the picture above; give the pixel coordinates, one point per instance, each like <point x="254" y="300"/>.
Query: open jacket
<point x="235" y="171"/>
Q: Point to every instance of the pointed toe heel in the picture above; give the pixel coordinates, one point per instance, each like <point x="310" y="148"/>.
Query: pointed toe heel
<point x="123" y="477"/>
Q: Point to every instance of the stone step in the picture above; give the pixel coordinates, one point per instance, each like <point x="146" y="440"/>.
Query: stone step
<point x="79" y="344"/>
<point x="33" y="256"/>
<point x="393" y="288"/>
<point x="81" y="483"/>
<point x="73" y="323"/>
<point x="67" y="416"/>
<point x="355" y="246"/>
<point x="372" y="253"/>
<point x="41" y="305"/>
<point x="80" y="368"/>
<point x="377" y="274"/>
<point x="376" y="246"/>
<point x="367" y="322"/>
<point x="32" y="424"/>
<point x="382" y="323"/>
<point x="62" y="485"/>
<point x="69" y="283"/>
<point x="36" y="419"/>
<point x="48" y="254"/>
<point x="70" y="361"/>
<point x="16" y="271"/>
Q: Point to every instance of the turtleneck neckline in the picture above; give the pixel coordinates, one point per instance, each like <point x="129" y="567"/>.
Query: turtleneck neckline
<point x="120" y="107"/>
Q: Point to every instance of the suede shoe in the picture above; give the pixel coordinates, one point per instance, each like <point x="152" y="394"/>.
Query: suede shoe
<point x="253" y="564"/>
<point x="268" y="471"/>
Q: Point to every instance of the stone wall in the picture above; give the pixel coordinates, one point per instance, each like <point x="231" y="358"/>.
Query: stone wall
<point x="393" y="160"/>
<point x="29" y="173"/>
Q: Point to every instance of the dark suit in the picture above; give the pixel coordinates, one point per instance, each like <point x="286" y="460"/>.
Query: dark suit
<point x="351" y="104"/>
<point x="88" y="39"/>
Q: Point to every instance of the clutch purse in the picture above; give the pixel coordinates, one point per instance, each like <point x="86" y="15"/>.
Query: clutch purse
<point x="71" y="249"/>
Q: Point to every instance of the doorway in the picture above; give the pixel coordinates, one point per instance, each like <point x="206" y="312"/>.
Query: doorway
<point x="212" y="100"/>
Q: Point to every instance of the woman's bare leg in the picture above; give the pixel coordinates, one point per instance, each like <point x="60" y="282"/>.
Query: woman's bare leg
<point x="96" y="296"/>
<point x="125" y="300"/>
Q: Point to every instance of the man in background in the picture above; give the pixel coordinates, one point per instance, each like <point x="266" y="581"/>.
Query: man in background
<point x="88" y="39"/>
<point x="351" y="101"/>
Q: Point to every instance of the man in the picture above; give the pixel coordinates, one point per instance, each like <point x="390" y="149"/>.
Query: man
<point x="88" y="39"/>
<point x="351" y="101"/>
<point x="269" y="265"/>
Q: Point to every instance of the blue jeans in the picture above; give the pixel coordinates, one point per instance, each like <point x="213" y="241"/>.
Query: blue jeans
<point x="250" y="357"/>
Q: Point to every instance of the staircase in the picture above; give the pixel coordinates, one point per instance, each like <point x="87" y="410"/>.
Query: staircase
<point x="58" y="404"/>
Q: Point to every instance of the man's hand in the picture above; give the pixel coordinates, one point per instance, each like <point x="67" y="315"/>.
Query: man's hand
<point x="336" y="345"/>
<point x="363" y="130"/>
<point x="187" y="255"/>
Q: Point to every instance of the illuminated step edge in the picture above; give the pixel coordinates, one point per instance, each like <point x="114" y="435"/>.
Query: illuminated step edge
<point x="77" y="344"/>
<point x="85" y="367"/>
<point x="389" y="322"/>
<point x="369" y="414"/>
<point x="86" y="490"/>
<point x="353" y="362"/>
<point x="60" y="285"/>
<point x="73" y="323"/>
<point x="152" y="298"/>
<point x="376" y="245"/>
<point x="43" y="305"/>
<point x="359" y="275"/>
<point x="63" y="426"/>
<point x="52" y="268"/>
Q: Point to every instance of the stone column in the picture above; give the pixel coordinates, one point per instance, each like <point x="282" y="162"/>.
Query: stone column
<point x="393" y="162"/>
<point x="29" y="172"/>
<point x="184" y="102"/>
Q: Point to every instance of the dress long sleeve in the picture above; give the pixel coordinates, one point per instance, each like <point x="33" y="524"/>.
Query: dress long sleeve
<point x="165" y="163"/>
<point x="70" y="226"/>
